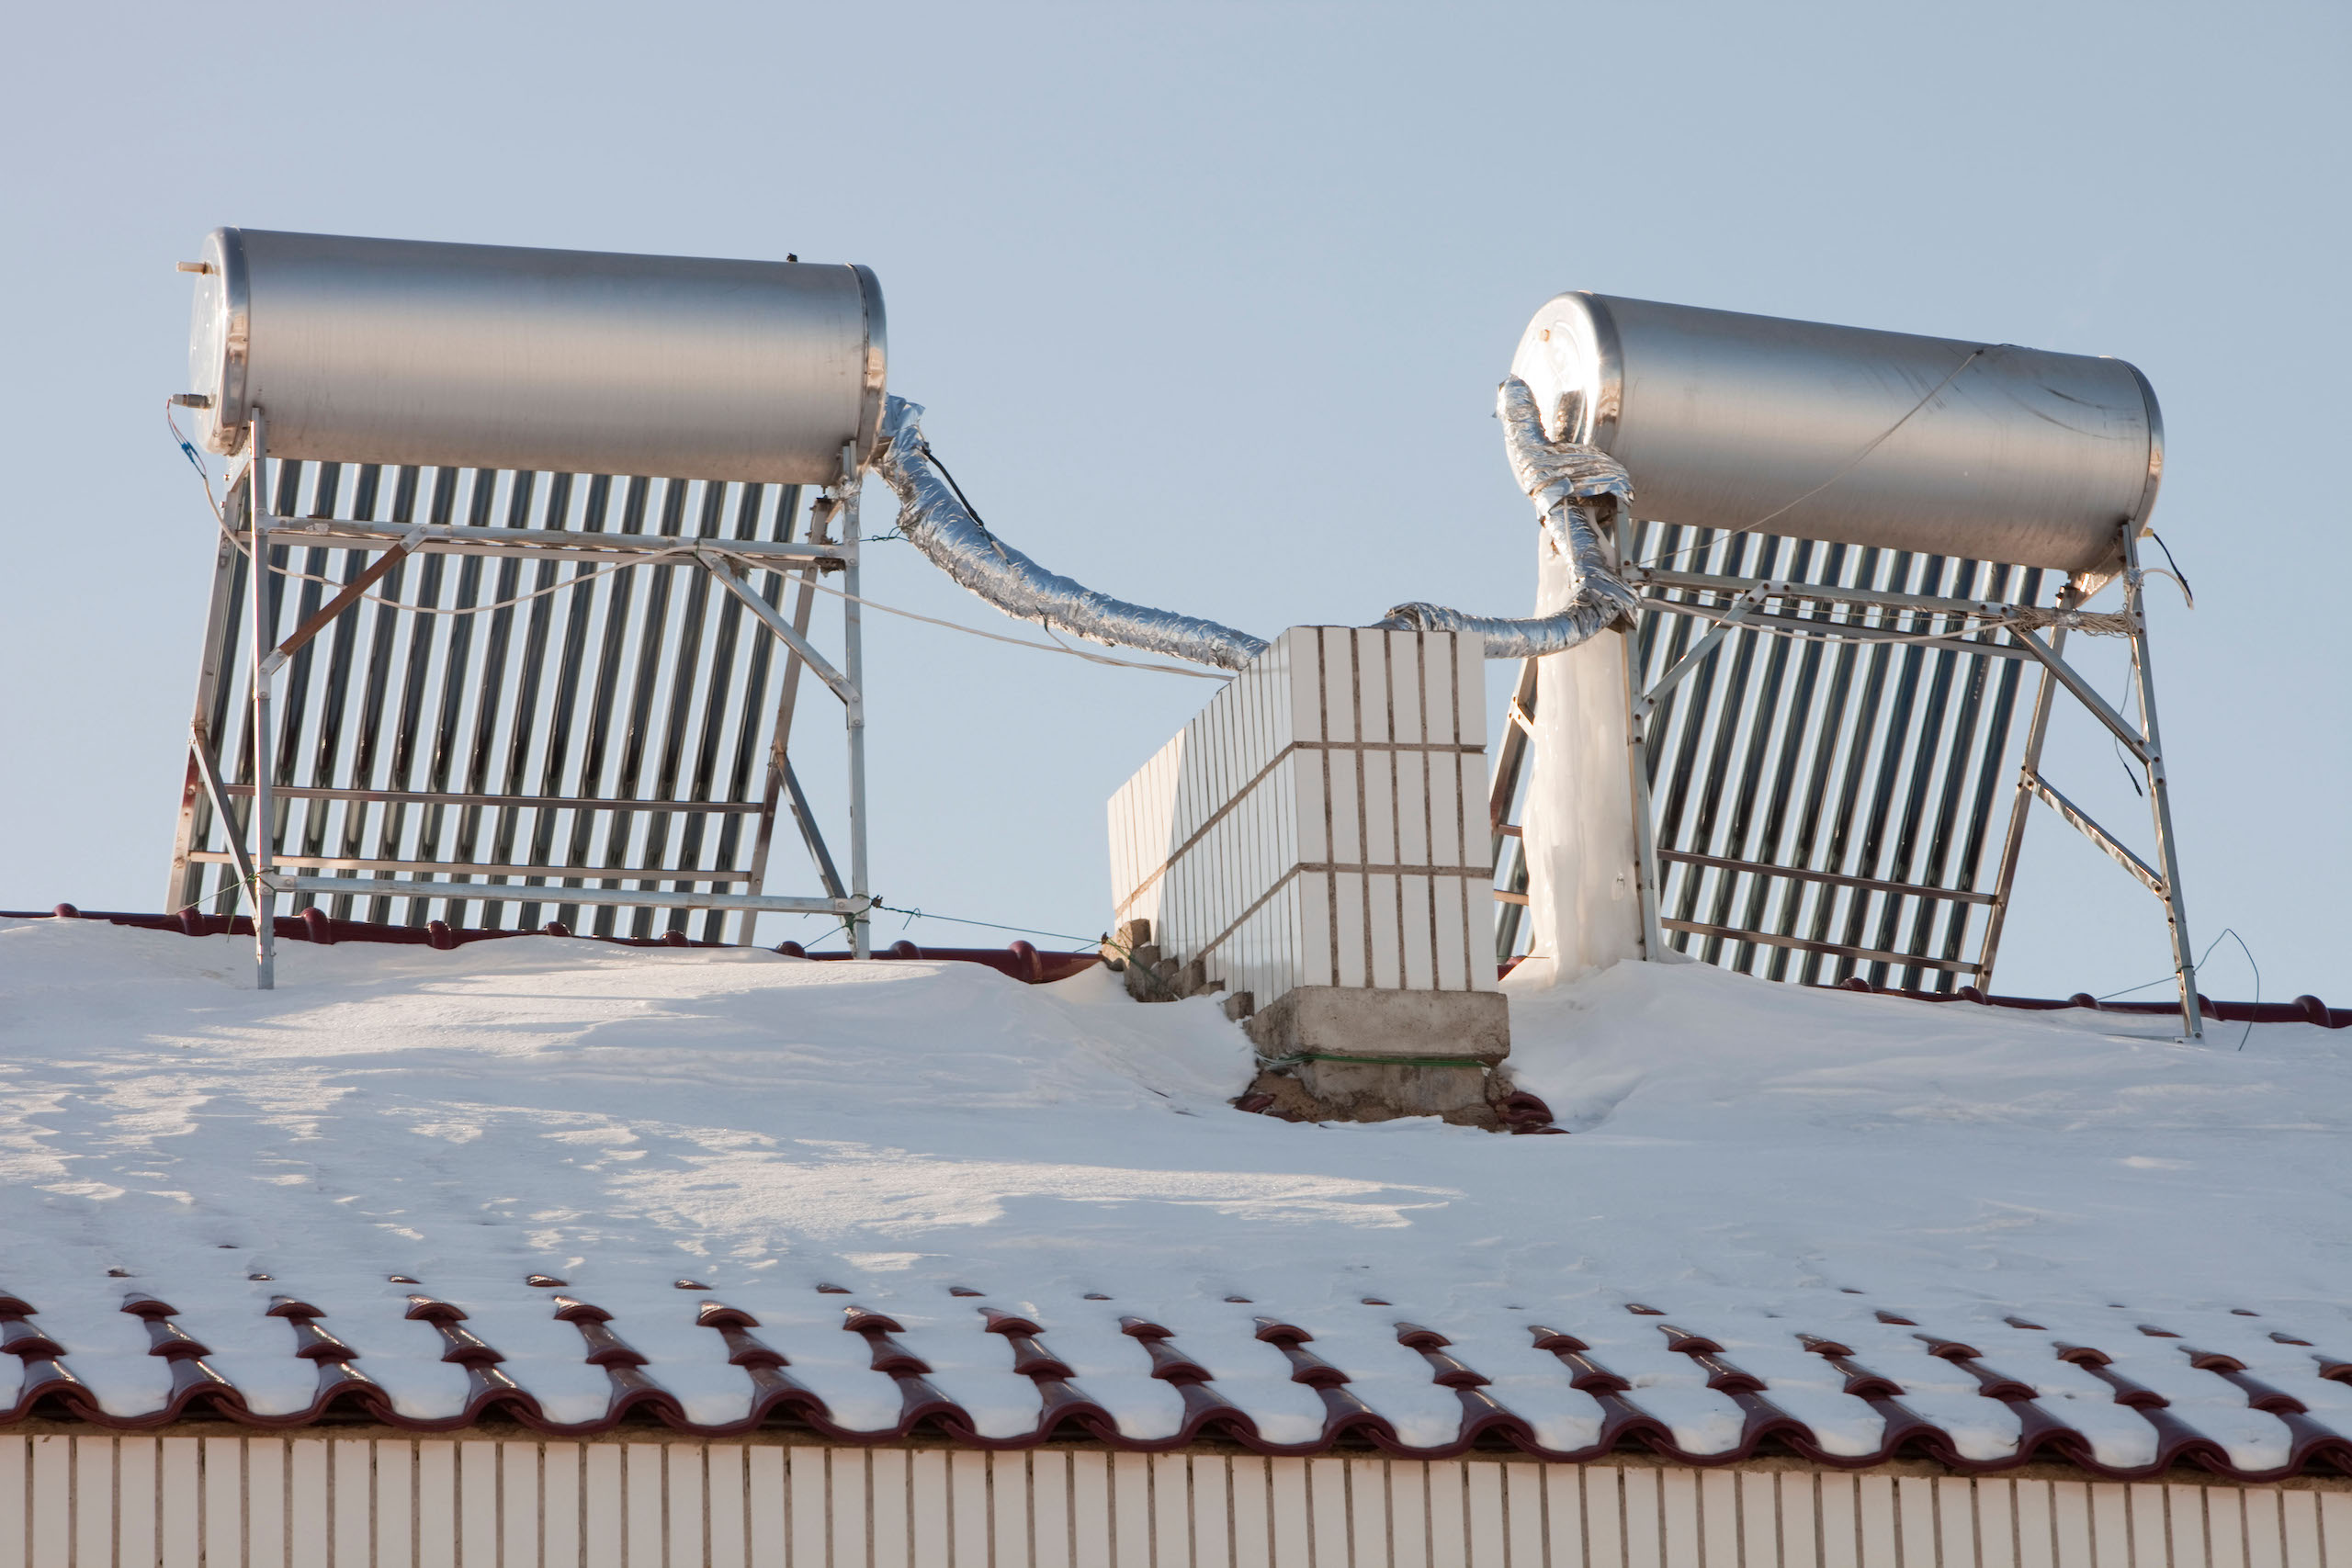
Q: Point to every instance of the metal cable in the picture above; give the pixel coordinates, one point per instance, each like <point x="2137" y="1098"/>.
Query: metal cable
<point x="652" y="557"/>
<point x="1877" y="441"/>
<point x="996" y="636"/>
<point x="2026" y="617"/>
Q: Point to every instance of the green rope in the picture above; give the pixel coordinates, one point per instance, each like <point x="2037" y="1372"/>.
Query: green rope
<point x="1292" y="1061"/>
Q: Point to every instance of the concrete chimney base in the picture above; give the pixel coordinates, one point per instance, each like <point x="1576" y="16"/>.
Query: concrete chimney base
<point x="1343" y="1054"/>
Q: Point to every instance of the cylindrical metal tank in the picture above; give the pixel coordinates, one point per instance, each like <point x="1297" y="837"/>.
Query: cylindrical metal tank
<point x="1732" y="420"/>
<point x="400" y="351"/>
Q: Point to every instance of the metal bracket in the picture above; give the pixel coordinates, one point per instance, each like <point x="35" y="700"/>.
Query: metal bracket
<point x="733" y="580"/>
<point x="2083" y="693"/>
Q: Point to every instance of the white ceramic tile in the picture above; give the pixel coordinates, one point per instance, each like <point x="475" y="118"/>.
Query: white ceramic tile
<point x="1456" y="953"/>
<point x="1249" y="809"/>
<point x="1417" y="924"/>
<point x="1383" y="923"/>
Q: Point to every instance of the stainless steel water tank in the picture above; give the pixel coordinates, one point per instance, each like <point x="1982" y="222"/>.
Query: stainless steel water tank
<point x="1731" y="420"/>
<point x="400" y="351"/>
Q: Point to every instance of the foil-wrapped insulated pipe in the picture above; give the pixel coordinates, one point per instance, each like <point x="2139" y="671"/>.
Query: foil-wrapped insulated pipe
<point x="943" y="528"/>
<point x="1560" y="477"/>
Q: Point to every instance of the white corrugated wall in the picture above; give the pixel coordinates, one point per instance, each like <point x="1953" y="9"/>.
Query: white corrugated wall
<point x="311" y="1502"/>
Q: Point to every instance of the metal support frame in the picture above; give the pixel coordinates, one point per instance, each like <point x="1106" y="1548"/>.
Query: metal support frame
<point x="1619" y="538"/>
<point x="1894" y="622"/>
<point x="2144" y="742"/>
<point x="263" y="866"/>
<point x="2160" y="789"/>
<point x="2028" y="774"/>
<point x="261" y="818"/>
<point x="1646" y="703"/>
<point x="782" y="782"/>
<point x="853" y="703"/>
<point x="1509" y="843"/>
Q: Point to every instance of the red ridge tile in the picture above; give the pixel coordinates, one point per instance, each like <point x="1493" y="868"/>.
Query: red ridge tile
<point x="51" y="1388"/>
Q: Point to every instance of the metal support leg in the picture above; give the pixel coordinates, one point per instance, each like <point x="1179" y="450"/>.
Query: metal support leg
<point x="2160" y="793"/>
<point x="1637" y="753"/>
<point x="265" y="901"/>
<point x="809" y="835"/>
<point x="779" y="751"/>
<point x="199" y="762"/>
<point x="1639" y="707"/>
<point x="187" y="886"/>
<point x="2029" y="771"/>
<point x="1510" y="851"/>
<point x="854" y="670"/>
<point x="845" y="685"/>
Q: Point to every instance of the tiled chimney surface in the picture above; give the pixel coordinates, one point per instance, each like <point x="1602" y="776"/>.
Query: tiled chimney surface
<point x="1322" y="822"/>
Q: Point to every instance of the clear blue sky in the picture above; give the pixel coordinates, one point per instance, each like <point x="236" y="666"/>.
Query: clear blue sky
<point x="1208" y="303"/>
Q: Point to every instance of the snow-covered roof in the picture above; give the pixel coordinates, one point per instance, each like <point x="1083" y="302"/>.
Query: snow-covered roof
<point x="572" y="1183"/>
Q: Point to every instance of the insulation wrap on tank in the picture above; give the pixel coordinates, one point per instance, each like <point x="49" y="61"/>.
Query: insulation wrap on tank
<point x="1559" y="476"/>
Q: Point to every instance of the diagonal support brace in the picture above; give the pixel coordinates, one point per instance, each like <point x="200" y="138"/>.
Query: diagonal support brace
<point x="2083" y="693"/>
<point x="807" y="820"/>
<point x="2083" y="824"/>
<point x="202" y="751"/>
<point x="1741" y="608"/>
<point x="733" y="581"/>
<point x="278" y="656"/>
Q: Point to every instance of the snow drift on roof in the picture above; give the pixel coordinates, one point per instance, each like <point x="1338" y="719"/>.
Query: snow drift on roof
<point x="2057" y="1234"/>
